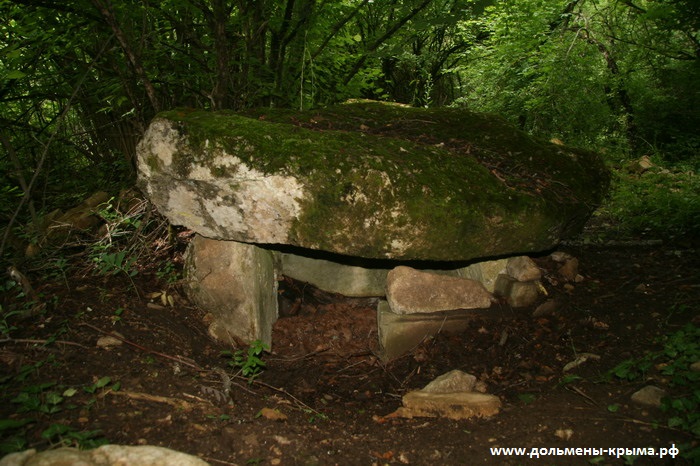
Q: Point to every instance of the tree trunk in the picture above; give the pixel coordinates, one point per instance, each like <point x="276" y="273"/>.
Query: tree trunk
<point x="622" y="97"/>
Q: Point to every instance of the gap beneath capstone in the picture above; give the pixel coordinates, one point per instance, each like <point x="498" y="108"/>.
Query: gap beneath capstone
<point x="318" y="322"/>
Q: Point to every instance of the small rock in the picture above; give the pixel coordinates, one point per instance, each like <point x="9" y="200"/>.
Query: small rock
<point x="582" y="358"/>
<point x="453" y="381"/>
<point x="641" y="165"/>
<point x="517" y="293"/>
<point x="560" y="256"/>
<point x="564" y="434"/>
<point x="282" y="440"/>
<point x="649" y="396"/>
<point x="569" y="270"/>
<point x="695" y="367"/>
<point x="460" y="405"/>
<point x="523" y="269"/>
<point x="451" y="395"/>
<point x="251" y="440"/>
<point x="108" y="341"/>
<point x="547" y="308"/>
<point x="146" y="455"/>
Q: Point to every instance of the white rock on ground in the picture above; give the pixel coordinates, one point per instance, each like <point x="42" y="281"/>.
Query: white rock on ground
<point x="106" y="455"/>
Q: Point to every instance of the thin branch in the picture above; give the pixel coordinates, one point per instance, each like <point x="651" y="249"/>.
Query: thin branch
<point x="336" y="28"/>
<point x="42" y="342"/>
<point x="386" y="36"/>
<point x="108" y="14"/>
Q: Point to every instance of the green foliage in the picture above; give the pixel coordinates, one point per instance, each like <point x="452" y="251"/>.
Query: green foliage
<point x="660" y="204"/>
<point x="527" y="398"/>
<point x="248" y="363"/>
<point x="568" y="379"/>
<point x="673" y="361"/>
<point x="598" y="74"/>
<point x="315" y="416"/>
<point x="109" y="255"/>
<point x="113" y="263"/>
<point x="44" y="400"/>
<point x="37" y="401"/>
<point x="168" y="272"/>
<point x="102" y="385"/>
<point x="5" y="318"/>
<point x="67" y="436"/>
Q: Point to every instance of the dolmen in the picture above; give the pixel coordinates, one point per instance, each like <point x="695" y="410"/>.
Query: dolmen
<point x="435" y="210"/>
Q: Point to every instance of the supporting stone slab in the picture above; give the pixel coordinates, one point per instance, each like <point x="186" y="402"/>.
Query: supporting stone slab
<point x="236" y="283"/>
<point x="399" y="334"/>
<point x="334" y="277"/>
<point x="359" y="281"/>
<point x="485" y="272"/>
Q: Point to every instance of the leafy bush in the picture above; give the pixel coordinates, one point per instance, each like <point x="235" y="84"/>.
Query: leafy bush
<point x="660" y="204"/>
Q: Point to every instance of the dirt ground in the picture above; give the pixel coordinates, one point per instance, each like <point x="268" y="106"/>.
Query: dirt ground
<point x="323" y="395"/>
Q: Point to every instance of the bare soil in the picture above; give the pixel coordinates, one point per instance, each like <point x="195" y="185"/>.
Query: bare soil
<point x="324" y="394"/>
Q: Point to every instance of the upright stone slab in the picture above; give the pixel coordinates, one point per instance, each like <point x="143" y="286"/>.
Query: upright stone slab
<point x="236" y="283"/>
<point x="360" y="281"/>
<point x="401" y="333"/>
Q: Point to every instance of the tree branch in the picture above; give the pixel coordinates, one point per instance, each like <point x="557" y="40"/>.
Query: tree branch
<point x="386" y="36"/>
<point x="106" y="10"/>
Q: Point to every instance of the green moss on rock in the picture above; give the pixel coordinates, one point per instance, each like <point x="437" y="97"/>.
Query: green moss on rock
<point x="392" y="181"/>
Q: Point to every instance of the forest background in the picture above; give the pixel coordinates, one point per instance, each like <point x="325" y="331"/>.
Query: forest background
<point x="81" y="79"/>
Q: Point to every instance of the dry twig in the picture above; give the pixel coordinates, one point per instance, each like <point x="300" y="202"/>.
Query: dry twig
<point x="42" y="342"/>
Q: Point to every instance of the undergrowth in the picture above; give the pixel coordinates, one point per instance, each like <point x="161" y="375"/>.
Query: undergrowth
<point x="36" y="401"/>
<point x="659" y="203"/>
<point x="676" y="364"/>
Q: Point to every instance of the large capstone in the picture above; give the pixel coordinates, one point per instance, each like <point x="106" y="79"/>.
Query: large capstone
<point x="369" y="180"/>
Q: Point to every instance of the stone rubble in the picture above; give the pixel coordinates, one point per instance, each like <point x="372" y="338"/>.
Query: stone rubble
<point x="438" y="303"/>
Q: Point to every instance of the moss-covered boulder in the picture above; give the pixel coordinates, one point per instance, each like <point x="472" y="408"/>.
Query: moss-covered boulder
<point x="368" y="179"/>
